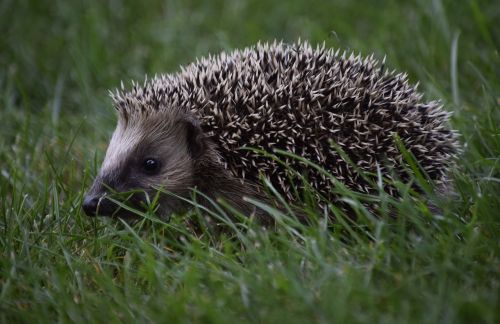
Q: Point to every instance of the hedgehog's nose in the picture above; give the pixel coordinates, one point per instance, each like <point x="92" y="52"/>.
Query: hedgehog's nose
<point x="98" y="205"/>
<point x="90" y="205"/>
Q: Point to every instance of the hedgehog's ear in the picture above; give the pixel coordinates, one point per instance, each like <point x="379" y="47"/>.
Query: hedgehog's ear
<point x="195" y="138"/>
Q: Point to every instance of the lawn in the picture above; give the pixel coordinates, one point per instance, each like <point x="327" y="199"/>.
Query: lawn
<point x="59" y="58"/>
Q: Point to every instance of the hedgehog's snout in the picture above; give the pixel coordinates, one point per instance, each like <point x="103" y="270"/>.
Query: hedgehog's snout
<point x="90" y="205"/>
<point x="98" y="205"/>
<point x="96" y="201"/>
<point x="105" y="196"/>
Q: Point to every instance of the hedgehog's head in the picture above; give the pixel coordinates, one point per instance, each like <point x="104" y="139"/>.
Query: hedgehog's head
<point x="150" y="148"/>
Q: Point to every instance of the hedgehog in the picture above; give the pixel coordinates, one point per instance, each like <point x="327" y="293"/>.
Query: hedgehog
<point x="206" y="126"/>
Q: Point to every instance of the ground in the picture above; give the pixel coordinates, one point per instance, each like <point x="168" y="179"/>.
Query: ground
<point x="59" y="58"/>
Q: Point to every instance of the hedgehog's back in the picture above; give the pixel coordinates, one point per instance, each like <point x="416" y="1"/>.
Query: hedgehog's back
<point x="299" y="99"/>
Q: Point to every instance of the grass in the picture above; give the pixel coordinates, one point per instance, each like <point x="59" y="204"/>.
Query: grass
<point x="57" y="61"/>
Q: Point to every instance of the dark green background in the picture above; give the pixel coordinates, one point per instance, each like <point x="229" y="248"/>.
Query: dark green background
<point x="59" y="58"/>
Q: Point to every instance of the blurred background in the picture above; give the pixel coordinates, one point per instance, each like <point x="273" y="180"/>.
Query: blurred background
<point x="59" y="58"/>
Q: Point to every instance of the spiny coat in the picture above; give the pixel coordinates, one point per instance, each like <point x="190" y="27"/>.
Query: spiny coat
<point x="273" y="96"/>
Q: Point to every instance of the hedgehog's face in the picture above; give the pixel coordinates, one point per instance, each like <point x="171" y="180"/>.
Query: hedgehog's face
<point x="144" y="155"/>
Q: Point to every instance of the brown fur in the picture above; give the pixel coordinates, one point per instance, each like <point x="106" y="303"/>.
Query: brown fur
<point x="168" y="137"/>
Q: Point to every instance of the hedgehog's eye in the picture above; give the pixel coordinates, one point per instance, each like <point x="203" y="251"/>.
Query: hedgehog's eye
<point x="151" y="166"/>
